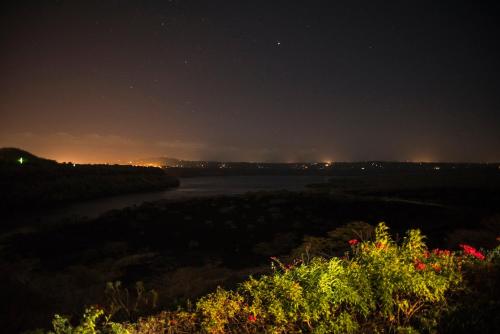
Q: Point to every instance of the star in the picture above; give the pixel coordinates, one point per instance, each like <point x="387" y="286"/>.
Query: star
<point x="278" y="43"/>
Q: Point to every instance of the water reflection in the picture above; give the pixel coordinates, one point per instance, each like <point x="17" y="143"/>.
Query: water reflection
<point x="190" y="188"/>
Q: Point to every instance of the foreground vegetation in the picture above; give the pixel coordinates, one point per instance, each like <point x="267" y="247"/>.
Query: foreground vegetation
<point x="158" y="255"/>
<point x="380" y="286"/>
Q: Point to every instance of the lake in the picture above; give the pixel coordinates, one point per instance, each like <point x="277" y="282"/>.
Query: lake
<point x="189" y="188"/>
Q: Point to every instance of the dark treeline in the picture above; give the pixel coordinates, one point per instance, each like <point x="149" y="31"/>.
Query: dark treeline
<point x="200" y="168"/>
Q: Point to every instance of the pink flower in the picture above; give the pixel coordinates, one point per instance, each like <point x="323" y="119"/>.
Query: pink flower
<point x="353" y="242"/>
<point x="469" y="250"/>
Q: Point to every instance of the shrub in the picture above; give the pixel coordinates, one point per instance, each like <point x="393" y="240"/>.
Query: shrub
<point x="379" y="287"/>
<point x="92" y="322"/>
<point x="383" y="285"/>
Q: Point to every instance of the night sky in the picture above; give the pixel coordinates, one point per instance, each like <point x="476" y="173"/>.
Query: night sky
<point x="99" y="81"/>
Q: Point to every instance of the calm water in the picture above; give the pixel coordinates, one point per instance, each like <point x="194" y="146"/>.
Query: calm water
<point x="190" y="188"/>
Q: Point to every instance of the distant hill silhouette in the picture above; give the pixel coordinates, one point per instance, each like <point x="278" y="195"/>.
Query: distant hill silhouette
<point x="29" y="182"/>
<point x="12" y="155"/>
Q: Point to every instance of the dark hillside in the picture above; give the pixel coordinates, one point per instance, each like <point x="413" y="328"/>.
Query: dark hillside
<point x="15" y="156"/>
<point x="29" y="182"/>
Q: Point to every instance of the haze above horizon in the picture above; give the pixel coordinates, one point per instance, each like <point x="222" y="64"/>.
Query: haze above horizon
<point x="268" y="81"/>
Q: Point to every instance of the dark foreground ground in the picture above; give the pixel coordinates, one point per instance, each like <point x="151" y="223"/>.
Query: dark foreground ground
<point x="182" y="249"/>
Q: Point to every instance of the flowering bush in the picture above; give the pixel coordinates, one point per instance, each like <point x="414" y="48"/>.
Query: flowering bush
<point x="380" y="287"/>
<point x="394" y="284"/>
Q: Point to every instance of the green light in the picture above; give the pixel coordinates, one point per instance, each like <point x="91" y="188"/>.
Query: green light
<point x="20" y="160"/>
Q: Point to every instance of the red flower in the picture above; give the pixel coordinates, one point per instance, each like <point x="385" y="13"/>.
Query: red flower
<point x="419" y="265"/>
<point x="441" y="253"/>
<point x="353" y="242"/>
<point x="252" y="318"/>
<point x="472" y="251"/>
<point x="427" y="254"/>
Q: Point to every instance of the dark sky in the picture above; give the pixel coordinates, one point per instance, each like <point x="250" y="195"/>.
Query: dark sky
<point x="94" y="81"/>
